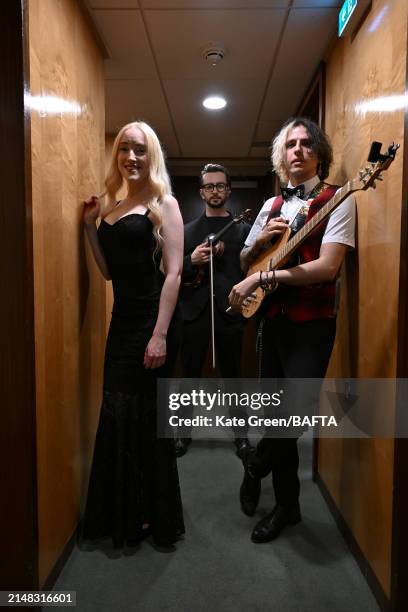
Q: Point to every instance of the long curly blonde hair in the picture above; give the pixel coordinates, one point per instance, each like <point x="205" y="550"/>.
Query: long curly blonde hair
<point x="159" y="181"/>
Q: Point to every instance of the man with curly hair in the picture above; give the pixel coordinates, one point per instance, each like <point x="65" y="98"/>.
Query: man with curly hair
<point x="299" y="328"/>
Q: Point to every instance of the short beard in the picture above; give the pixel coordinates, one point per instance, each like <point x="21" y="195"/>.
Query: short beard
<point x="217" y="205"/>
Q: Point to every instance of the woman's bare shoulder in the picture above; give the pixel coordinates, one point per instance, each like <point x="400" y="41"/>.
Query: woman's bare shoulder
<point x="170" y="202"/>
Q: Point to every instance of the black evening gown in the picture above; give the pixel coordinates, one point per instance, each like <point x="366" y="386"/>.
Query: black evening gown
<point x="134" y="479"/>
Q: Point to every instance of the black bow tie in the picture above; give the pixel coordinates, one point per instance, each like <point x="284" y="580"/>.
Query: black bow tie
<point x="288" y="193"/>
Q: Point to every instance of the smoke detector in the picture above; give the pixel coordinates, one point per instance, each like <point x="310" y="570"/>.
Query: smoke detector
<point x="214" y="53"/>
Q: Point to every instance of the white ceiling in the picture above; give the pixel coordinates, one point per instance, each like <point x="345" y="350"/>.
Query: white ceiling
<point x="155" y="70"/>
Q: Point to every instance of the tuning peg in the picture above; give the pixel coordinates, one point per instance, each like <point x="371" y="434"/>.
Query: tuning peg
<point x="379" y="178"/>
<point x="373" y="185"/>
<point x="361" y="173"/>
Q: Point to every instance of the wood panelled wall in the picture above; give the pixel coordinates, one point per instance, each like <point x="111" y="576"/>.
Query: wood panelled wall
<point x="359" y="473"/>
<point x="67" y="132"/>
<point x="109" y="140"/>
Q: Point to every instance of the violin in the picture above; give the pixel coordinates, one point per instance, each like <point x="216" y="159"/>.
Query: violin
<point x="214" y="239"/>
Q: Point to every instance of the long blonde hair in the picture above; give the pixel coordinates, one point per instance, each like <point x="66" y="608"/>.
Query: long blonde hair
<point x="159" y="181"/>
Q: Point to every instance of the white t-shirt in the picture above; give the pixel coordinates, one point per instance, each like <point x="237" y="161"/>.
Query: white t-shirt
<point x="340" y="226"/>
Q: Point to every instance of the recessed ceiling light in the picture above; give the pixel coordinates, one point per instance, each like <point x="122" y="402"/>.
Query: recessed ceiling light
<point x="214" y="102"/>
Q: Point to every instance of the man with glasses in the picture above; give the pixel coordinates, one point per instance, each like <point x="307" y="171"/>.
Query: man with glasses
<point x="215" y="189"/>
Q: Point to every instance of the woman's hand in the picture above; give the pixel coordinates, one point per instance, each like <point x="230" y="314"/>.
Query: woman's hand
<point x="243" y="291"/>
<point x="155" y="353"/>
<point x="92" y="209"/>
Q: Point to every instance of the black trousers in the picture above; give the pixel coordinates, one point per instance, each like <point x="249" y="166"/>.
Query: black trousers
<point x="290" y="350"/>
<point x="228" y="350"/>
<point x="197" y="337"/>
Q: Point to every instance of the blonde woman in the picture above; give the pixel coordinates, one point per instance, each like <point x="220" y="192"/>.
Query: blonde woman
<point x="133" y="489"/>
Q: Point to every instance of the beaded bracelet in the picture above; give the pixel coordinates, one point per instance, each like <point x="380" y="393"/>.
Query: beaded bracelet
<point x="268" y="285"/>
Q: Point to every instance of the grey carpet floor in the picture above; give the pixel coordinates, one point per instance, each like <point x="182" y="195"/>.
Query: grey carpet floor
<point x="216" y="567"/>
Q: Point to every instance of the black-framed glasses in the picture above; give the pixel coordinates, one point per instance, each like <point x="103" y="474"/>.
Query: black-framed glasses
<point x="208" y="187"/>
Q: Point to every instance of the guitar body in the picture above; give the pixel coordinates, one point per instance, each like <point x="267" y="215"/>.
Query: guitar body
<point x="263" y="264"/>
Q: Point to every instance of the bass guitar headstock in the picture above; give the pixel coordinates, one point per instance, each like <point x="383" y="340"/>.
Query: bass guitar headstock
<point x="378" y="162"/>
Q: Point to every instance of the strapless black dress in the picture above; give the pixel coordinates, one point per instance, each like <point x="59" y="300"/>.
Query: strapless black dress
<point x="134" y="479"/>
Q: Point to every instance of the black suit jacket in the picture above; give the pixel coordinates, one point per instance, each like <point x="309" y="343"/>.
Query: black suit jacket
<point x="227" y="271"/>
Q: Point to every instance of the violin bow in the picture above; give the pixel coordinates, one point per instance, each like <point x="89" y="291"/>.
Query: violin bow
<point x="213" y="239"/>
<point x="210" y="240"/>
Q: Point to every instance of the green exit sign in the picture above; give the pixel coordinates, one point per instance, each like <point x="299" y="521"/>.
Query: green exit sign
<point x="345" y="14"/>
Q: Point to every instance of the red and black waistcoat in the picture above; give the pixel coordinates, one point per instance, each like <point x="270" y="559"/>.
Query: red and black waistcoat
<point x="309" y="301"/>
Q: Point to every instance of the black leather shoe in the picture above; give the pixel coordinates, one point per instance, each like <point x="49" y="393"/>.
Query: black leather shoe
<point x="249" y="494"/>
<point x="270" y="526"/>
<point x="243" y="447"/>
<point x="181" y="445"/>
